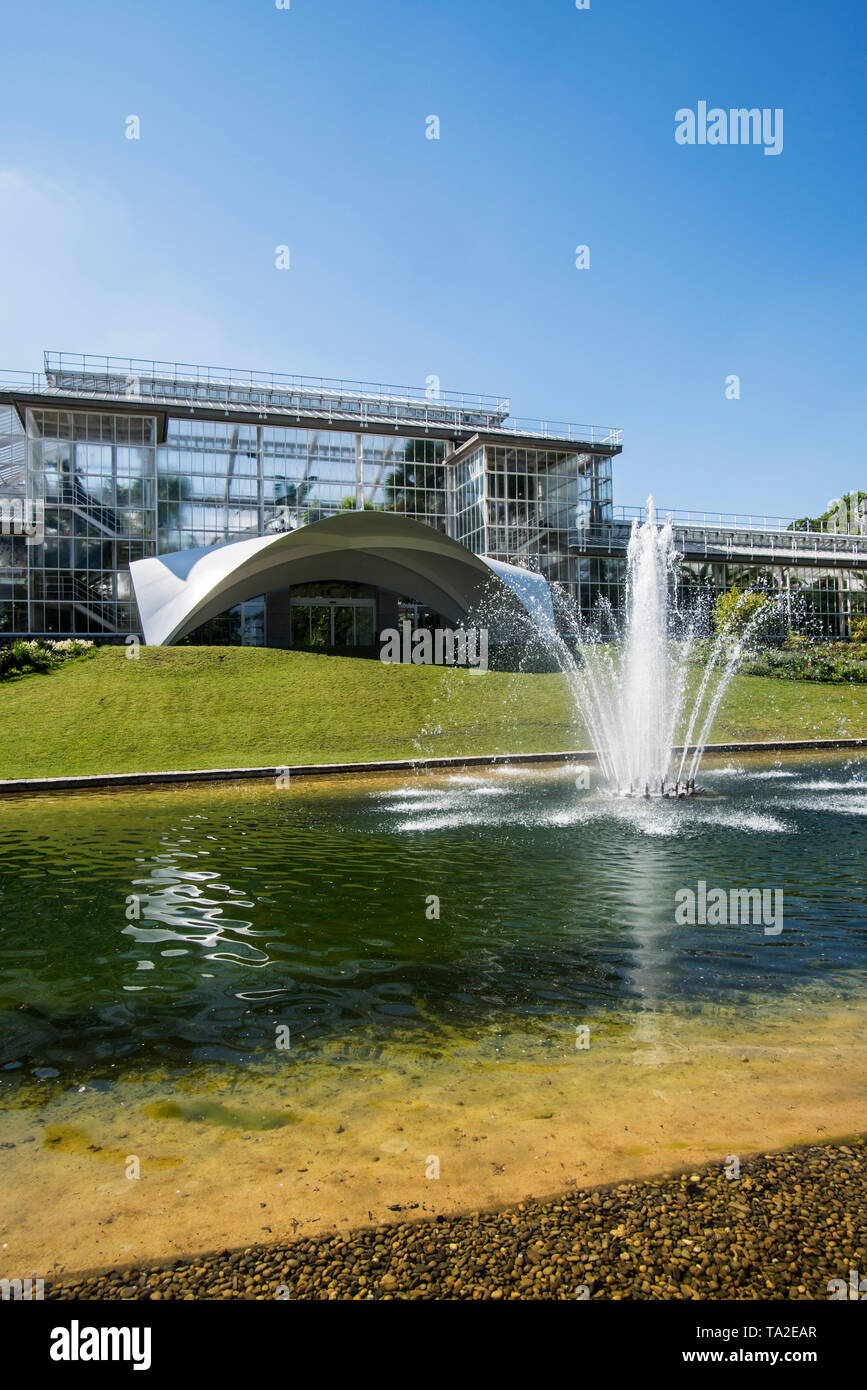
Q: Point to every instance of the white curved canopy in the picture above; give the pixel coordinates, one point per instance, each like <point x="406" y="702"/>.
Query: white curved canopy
<point x="177" y="592"/>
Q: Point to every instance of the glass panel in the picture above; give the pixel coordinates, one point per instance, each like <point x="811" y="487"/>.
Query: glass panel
<point x="254" y="624"/>
<point x="364" y="625"/>
<point x="320" y="626"/>
<point x="300" y="625"/>
<point x="344" y="635"/>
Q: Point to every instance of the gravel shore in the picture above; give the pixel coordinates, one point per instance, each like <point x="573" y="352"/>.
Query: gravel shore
<point x="781" y="1230"/>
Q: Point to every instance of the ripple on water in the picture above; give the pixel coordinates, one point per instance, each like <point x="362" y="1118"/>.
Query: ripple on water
<point x="762" y="822"/>
<point x="826" y="785"/>
<point x="839" y="805"/>
<point x="774" y="774"/>
<point x="189" y="926"/>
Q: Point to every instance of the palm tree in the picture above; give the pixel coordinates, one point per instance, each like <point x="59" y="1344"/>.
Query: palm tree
<point x="418" y="482"/>
<point x="292" y="498"/>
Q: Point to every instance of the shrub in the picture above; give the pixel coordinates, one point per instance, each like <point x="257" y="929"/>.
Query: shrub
<point x="734" y="610"/>
<point x="859" y="628"/>
<point x="41" y="655"/>
<point x="835" y="662"/>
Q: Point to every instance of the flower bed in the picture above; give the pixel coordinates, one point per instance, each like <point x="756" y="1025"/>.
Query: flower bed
<point x="41" y="655"/>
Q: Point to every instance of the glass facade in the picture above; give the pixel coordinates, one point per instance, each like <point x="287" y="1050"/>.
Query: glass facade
<point x="111" y="494"/>
<point x="241" y="626"/>
<point x="219" y="481"/>
<point x="112" y="486"/>
<point x="820" y="602"/>
<point x="524" y="505"/>
<point x="92" y="478"/>
<point x="536" y="499"/>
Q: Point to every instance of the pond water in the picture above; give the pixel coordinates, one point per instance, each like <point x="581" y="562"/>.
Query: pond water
<point x="249" y="959"/>
<point x="186" y="924"/>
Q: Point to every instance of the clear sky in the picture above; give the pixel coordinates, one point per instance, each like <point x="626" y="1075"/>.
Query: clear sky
<point x="411" y="257"/>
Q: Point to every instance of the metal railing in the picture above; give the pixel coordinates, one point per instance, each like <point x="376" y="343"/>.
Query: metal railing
<point x="21" y="381"/>
<point x="728" y="521"/>
<point x="258" y="393"/>
<point x="721" y="543"/>
<point x="560" y="431"/>
<point x="89" y="597"/>
<point x="189" y="375"/>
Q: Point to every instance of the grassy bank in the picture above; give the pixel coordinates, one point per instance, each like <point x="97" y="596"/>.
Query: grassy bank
<point x="189" y="707"/>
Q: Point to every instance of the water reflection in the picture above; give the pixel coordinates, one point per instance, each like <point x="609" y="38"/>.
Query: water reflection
<point x="169" y="927"/>
<point x="181" y="902"/>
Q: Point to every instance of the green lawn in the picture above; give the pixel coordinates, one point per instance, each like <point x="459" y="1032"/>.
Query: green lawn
<point x="189" y="707"/>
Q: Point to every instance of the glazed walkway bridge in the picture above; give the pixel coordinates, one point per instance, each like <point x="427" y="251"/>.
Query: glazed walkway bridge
<point x="707" y="538"/>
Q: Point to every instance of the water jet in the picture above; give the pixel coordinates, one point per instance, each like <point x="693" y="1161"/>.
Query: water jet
<point x="647" y="694"/>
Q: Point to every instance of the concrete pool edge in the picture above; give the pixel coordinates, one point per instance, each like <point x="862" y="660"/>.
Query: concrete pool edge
<point x="242" y="774"/>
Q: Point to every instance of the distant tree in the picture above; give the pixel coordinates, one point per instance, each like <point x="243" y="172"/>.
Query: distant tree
<point x="349" y="505"/>
<point x="841" y="514"/>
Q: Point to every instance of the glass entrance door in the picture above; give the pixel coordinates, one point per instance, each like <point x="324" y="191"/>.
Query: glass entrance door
<point x="321" y="625"/>
<point x="343" y="622"/>
<point x="342" y="625"/>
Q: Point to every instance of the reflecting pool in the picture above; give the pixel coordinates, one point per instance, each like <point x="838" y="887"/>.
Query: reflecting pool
<point x="238" y="983"/>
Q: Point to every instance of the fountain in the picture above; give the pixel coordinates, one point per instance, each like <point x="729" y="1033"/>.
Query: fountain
<point x="635" y="693"/>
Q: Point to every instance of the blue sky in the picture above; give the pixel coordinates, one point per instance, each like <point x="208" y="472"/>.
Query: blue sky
<point x="456" y="257"/>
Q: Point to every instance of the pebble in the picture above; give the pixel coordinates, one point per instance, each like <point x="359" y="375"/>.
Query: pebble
<point x="687" y="1236"/>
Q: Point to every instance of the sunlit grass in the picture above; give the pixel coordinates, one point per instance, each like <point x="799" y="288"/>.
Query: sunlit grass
<point x="196" y="707"/>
